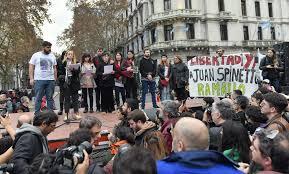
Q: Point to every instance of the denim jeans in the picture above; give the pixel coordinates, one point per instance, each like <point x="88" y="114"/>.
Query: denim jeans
<point x="119" y="90"/>
<point x="44" y="88"/>
<point x="165" y="93"/>
<point x="151" y="86"/>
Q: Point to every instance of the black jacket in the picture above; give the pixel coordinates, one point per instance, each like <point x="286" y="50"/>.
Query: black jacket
<point x="105" y="80"/>
<point x="161" y="73"/>
<point x="270" y="73"/>
<point x="29" y="142"/>
<point x="180" y="76"/>
<point x="60" y="72"/>
<point x="141" y="134"/>
<point x="148" y="66"/>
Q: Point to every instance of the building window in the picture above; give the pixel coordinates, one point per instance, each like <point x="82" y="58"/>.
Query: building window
<point x="273" y="36"/>
<point x="137" y="44"/>
<point x="270" y="8"/>
<point x="141" y="15"/>
<point x="167" y="4"/>
<point x="257" y="8"/>
<point x="153" y="35"/>
<point x="190" y="31"/>
<point x="136" y="3"/>
<point x="221" y="5"/>
<point x="130" y="7"/>
<point x="260" y="34"/>
<point x="246" y="32"/>
<point x="136" y="21"/>
<point x="152" y="6"/>
<point x="132" y="46"/>
<point x="243" y="7"/>
<point x="142" y="42"/>
<point x="224" y="32"/>
<point x="188" y="4"/>
<point x="169" y="34"/>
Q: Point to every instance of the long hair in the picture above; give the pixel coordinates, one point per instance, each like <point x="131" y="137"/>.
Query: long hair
<point x="180" y="58"/>
<point x="167" y="62"/>
<point x="235" y="136"/>
<point x="85" y="55"/>
<point x="73" y="57"/>
<point x="155" y="143"/>
<point x="275" y="61"/>
<point x="120" y="56"/>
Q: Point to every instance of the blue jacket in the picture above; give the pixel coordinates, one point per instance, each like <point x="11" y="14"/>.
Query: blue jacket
<point x="197" y="162"/>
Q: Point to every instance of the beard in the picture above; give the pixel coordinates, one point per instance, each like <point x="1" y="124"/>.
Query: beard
<point x="46" y="52"/>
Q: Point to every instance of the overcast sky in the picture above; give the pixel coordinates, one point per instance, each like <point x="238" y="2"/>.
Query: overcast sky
<point x="61" y="17"/>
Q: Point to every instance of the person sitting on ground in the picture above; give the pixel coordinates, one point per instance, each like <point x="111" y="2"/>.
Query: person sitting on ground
<point x="156" y="144"/>
<point x="270" y="151"/>
<point x="191" y="152"/>
<point x="240" y="105"/>
<point x="135" y="160"/>
<point x="30" y="140"/>
<point x="24" y="106"/>
<point x="235" y="141"/>
<point x="255" y="118"/>
<point x="141" y="127"/>
<point x="272" y="106"/>
<point x="6" y="103"/>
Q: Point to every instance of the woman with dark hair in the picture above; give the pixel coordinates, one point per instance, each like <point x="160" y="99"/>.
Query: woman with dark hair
<point x="60" y="80"/>
<point x="119" y="85"/>
<point x="129" y="71"/>
<point x="164" y="72"/>
<point x="180" y="78"/>
<point x="235" y="141"/>
<point x="271" y="67"/>
<point x="87" y="81"/>
<point x="155" y="143"/>
<point x="106" y="85"/>
<point x="256" y="99"/>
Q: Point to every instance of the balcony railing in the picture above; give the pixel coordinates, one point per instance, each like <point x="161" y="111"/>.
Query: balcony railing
<point x="172" y="14"/>
<point x="259" y="43"/>
<point x="178" y="44"/>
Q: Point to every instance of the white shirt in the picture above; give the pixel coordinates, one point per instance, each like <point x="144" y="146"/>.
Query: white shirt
<point x="44" y="65"/>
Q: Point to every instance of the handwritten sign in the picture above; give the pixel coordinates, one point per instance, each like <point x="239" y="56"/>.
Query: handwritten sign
<point x="217" y="76"/>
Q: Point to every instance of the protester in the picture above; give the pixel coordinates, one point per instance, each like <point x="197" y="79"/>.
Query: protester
<point x="31" y="140"/>
<point x="24" y="106"/>
<point x="220" y="52"/>
<point x="266" y="83"/>
<point x="5" y="103"/>
<point x="235" y="141"/>
<point x="170" y="116"/>
<point x="240" y="105"/>
<point x="130" y="105"/>
<point x="180" y="78"/>
<point x="119" y="79"/>
<point x="156" y="144"/>
<point x="87" y="82"/>
<point x="256" y="99"/>
<point x="135" y="160"/>
<point x="93" y="124"/>
<point x="270" y="151"/>
<point x="71" y="85"/>
<point x="97" y="60"/>
<point x="164" y="72"/>
<point x="106" y="84"/>
<point x="148" y="71"/>
<point x="129" y="74"/>
<point x="61" y="79"/>
<point x="255" y="118"/>
<point x="138" y="122"/>
<point x="235" y="94"/>
<point x="272" y="106"/>
<point x="42" y="74"/>
<point x="191" y="151"/>
<point x="271" y="67"/>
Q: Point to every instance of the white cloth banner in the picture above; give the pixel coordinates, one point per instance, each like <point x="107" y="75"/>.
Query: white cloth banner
<point x="218" y="76"/>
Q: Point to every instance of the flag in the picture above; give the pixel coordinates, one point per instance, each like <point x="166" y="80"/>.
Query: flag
<point x="265" y="24"/>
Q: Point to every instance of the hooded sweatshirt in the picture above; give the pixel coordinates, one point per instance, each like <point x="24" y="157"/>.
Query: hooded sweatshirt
<point x="29" y="142"/>
<point x="147" y="128"/>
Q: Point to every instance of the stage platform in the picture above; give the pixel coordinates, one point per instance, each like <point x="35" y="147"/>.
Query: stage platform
<point x="108" y="122"/>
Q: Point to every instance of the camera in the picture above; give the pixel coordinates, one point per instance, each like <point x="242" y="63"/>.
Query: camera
<point x="6" y="168"/>
<point x="65" y="156"/>
<point x="3" y="112"/>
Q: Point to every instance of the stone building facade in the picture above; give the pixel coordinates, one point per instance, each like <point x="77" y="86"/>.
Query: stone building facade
<point x="199" y="27"/>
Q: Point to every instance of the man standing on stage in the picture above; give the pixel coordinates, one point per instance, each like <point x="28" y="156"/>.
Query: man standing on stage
<point x="148" y="70"/>
<point x="43" y="73"/>
<point x="97" y="60"/>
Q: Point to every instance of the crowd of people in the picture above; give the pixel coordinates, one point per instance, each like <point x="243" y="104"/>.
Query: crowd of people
<point x="230" y="134"/>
